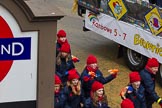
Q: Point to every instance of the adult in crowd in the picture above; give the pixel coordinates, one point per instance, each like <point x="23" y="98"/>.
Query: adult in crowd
<point x="148" y="82"/>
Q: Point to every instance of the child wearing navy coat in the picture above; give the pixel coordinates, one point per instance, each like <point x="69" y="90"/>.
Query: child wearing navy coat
<point x="64" y="62"/>
<point x="61" y="39"/>
<point x="98" y="97"/>
<point x="92" y="73"/>
<point x="148" y="81"/>
<point x="58" y="99"/>
<point x="135" y="91"/>
<point x="73" y="95"/>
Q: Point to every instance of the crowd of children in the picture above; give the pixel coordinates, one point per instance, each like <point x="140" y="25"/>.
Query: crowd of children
<point x="73" y="89"/>
<point x="141" y="89"/>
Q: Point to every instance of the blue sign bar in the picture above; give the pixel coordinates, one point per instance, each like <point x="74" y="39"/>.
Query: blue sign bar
<point x="15" y="48"/>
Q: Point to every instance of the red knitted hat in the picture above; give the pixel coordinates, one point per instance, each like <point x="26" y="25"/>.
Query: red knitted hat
<point x="61" y="33"/>
<point x="91" y="59"/>
<point x="72" y="74"/>
<point x="127" y="103"/>
<point x="57" y="79"/>
<point x="134" y="76"/>
<point x="96" y="85"/>
<point x="152" y="62"/>
<point x="65" y="48"/>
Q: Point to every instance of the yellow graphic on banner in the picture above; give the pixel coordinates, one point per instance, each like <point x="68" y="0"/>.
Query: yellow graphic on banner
<point x="118" y="8"/>
<point x="154" y="21"/>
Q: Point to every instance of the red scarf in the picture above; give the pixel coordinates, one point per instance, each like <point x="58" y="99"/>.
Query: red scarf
<point x="91" y="72"/>
<point x="100" y="98"/>
<point x="57" y="92"/>
<point x="90" y="69"/>
<point x="60" y="42"/>
<point x="148" y="69"/>
<point x="76" y="88"/>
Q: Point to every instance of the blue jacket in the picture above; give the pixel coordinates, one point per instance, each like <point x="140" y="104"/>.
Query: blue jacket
<point x="89" y="104"/>
<point x="71" y="100"/>
<point x="62" y="70"/>
<point x="58" y="46"/>
<point x="59" y="100"/>
<point x="86" y="85"/>
<point x="148" y="82"/>
<point x="137" y="97"/>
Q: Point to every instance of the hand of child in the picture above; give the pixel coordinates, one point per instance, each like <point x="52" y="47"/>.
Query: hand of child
<point x="113" y="71"/>
<point x="123" y="92"/>
<point x="75" y="59"/>
<point x="92" y="74"/>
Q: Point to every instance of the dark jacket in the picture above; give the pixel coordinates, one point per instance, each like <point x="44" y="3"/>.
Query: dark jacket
<point x="86" y="84"/>
<point x="59" y="100"/>
<point x="159" y="3"/>
<point x="89" y="104"/>
<point x="152" y="1"/>
<point x="63" y="68"/>
<point x="137" y="97"/>
<point x="148" y="82"/>
<point x="71" y="100"/>
<point x="58" y="46"/>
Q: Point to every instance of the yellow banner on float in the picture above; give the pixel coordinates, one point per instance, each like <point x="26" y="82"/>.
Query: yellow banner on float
<point x="118" y="8"/>
<point x="154" y="21"/>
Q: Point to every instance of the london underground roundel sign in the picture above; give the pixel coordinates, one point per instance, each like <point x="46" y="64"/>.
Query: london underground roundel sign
<point x="18" y="60"/>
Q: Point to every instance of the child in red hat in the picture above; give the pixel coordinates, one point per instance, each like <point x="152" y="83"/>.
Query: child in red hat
<point x="64" y="62"/>
<point x="61" y="39"/>
<point x="127" y="103"/>
<point x="92" y="73"/>
<point x="98" y="97"/>
<point x="135" y="91"/>
<point x="148" y="81"/>
<point x="58" y="101"/>
<point x="72" y="91"/>
<point x="58" y="84"/>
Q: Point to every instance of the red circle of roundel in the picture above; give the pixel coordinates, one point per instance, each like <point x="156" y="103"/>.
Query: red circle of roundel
<point x="5" y="32"/>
